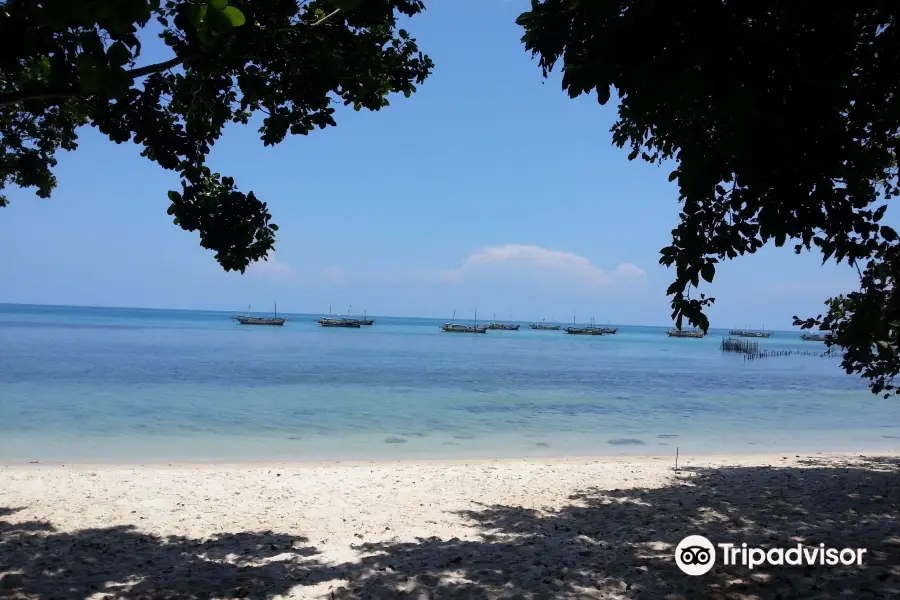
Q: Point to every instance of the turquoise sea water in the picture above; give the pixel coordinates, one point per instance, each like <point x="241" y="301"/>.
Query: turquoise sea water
<point x="112" y="384"/>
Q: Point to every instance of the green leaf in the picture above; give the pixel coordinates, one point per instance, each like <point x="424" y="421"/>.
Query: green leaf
<point x="196" y="15"/>
<point x="118" y="54"/>
<point x="90" y="74"/>
<point x="348" y="5"/>
<point x="235" y="17"/>
<point x="174" y="196"/>
<point x="217" y="22"/>
<point x="218" y="4"/>
<point x="206" y="36"/>
<point x="602" y="94"/>
<point x="708" y="272"/>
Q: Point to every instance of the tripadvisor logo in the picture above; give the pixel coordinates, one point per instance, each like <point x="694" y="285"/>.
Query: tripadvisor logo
<point x="696" y="555"/>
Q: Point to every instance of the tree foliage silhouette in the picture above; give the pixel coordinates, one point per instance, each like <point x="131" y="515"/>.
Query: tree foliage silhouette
<point x="783" y="122"/>
<point x="69" y="63"/>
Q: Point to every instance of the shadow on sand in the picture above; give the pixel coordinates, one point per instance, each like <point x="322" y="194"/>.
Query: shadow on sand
<point x="122" y="562"/>
<point x="605" y="544"/>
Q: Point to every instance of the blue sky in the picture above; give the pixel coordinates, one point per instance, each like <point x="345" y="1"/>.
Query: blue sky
<point x="487" y="189"/>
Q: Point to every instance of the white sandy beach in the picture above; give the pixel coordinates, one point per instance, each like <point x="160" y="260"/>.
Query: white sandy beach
<point x="556" y="528"/>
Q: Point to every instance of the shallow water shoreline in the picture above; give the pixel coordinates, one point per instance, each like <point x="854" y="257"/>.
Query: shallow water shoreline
<point x="26" y="448"/>
<point x="683" y="460"/>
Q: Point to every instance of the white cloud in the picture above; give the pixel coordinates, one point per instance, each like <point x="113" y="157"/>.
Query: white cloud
<point x="271" y="268"/>
<point x="543" y="264"/>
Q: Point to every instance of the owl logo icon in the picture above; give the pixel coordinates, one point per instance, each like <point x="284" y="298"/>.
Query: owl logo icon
<point x="695" y="555"/>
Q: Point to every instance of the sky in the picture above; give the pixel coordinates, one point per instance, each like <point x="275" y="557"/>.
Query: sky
<point x="489" y="190"/>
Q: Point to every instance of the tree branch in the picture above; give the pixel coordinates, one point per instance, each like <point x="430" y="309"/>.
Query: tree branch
<point x="294" y="28"/>
<point x="156" y="68"/>
<point x="326" y="17"/>
<point x="24" y="96"/>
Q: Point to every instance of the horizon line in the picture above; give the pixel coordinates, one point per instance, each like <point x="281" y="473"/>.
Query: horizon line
<point x="171" y="309"/>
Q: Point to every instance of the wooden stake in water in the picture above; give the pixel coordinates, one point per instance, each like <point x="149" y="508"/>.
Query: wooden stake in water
<point x="676" y="459"/>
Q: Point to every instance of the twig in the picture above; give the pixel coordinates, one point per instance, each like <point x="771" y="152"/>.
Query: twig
<point x="326" y="17"/>
<point x="294" y="28"/>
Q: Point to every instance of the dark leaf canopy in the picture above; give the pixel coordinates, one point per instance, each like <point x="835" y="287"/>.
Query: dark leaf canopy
<point x="782" y="119"/>
<point x="68" y="63"/>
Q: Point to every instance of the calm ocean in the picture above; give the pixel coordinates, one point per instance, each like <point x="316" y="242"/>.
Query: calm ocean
<point x="112" y="384"/>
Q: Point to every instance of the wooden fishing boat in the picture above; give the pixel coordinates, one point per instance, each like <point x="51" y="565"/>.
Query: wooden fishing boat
<point x="503" y="326"/>
<point x="542" y="326"/>
<point x="814" y="337"/>
<point x="588" y="330"/>
<point x="451" y="327"/>
<point x="251" y="320"/>
<point x="750" y="333"/>
<point x="339" y="321"/>
<point x="686" y="333"/>
<point x="326" y="322"/>
<point x="458" y="328"/>
<point x="584" y="330"/>
<point x="248" y="320"/>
